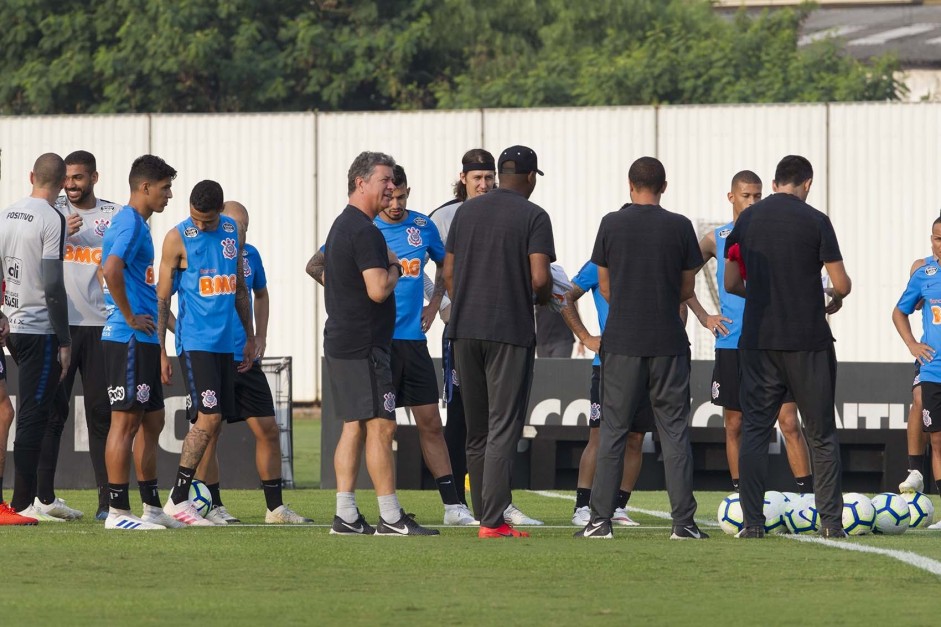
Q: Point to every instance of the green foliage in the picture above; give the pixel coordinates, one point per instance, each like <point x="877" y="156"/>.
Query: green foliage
<point x="112" y="56"/>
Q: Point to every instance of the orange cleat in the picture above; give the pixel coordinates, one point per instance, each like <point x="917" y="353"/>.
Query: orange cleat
<point x="8" y="516"/>
<point x="503" y="531"/>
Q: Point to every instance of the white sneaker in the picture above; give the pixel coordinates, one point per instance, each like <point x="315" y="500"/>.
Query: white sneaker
<point x="582" y="516"/>
<point x="937" y="525"/>
<point x="285" y="514"/>
<point x="186" y="513"/>
<point x="621" y="518"/>
<point x="914" y="483"/>
<point x="513" y="516"/>
<point x="221" y="516"/>
<point x="57" y="509"/>
<point x="32" y="512"/>
<point x="459" y="515"/>
<point x="157" y="516"/>
<point x="124" y="520"/>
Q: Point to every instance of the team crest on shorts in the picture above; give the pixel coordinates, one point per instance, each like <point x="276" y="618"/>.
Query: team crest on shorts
<point x="101" y="226"/>
<point x="595" y="413"/>
<point x="388" y="402"/>
<point x="189" y="402"/>
<point x="115" y="394"/>
<point x="143" y="393"/>
<point x="228" y="248"/>
<point x="190" y="231"/>
<point x="414" y="236"/>
<point x="1" y="367"/>
<point x="209" y="399"/>
<point x="420" y="221"/>
<point x="228" y="227"/>
<point x="926" y="417"/>
<point x="715" y="390"/>
<point x="454" y="380"/>
<point x="931" y="270"/>
<point x="724" y="233"/>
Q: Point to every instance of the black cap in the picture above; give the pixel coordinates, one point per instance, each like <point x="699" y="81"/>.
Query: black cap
<point x="524" y="158"/>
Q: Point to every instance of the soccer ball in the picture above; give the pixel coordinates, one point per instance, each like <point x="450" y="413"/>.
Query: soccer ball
<point x="892" y="515"/>
<point x="731" y="519"/>
<point x="774" y="507"/>
<point x="200" y="497"/>
<point x="804" y="520"/>
<point x="920" y="509"/>
<point x="858" y="514"/>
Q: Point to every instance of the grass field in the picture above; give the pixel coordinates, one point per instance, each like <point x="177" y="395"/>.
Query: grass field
<point x="77" y="573"/>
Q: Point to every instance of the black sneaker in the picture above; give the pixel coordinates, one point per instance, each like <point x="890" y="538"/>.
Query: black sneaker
<point x="359" y="528"/>
<point x="757" y="531"/>
<point x="600" y="529"/>
<point x="405" y="526"/>
<point x="688" y="532"/>
<point x="831" y="534"/>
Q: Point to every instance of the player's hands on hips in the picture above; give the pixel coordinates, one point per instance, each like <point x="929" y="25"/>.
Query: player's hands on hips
<point x="248" y="355"/>
<point x="921" y="352"/>
<point x="261" y="343"/>
<point x="716" y="324"/>
<point x="166" y="370"/>
<point x="593" y="343"/>
<point x="65" y="358"/>
<point x="142" y="322"/>
<point x="835" y="304"/>
<point x="428" y="313"/>
<point x="73" y="224"/>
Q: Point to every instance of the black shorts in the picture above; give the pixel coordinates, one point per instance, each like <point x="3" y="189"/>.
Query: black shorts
<point x="726" y="381"/>
<point x="643" y="419"/>
<point x="931" y="407"/>
<point x="132" y="372"/>
<point x="413" y="374"/>
<point x="917" y="380"/>
<point x="252" y="394"/>
<point x="362" y="389"/>
<point x="3" y="366"/>
<point x="209" y="379"/>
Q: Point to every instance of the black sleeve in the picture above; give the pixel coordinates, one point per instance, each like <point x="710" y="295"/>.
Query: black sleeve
<point x="829" y="247"/>
<point x="369" y="250"/>
<point x="540" y="236"/>
<point x="692" y="255"/>
<point x="599" y="255"/>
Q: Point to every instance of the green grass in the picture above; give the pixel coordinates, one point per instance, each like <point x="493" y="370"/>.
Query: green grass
<point x="80" y="574"/>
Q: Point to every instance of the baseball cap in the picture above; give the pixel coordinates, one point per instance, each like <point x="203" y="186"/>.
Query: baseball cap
<point x="523" y="157"/>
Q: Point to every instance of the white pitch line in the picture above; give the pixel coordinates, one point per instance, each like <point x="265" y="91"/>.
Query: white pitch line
<point x="649" y="512"/>
<point x="907" y="557"/>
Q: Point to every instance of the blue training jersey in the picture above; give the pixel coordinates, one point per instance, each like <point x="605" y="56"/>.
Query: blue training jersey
<point x="207" y="287"/>
<point x="926" y="284"/>
<point x="414" y="240"/>
<point x="587" y="280"/>
<point x="128" y="237"/>
<point x="732" y="306"/>
<point x="255" y="279"/>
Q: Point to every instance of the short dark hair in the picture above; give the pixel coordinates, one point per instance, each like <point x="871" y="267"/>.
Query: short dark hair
<point x="647" y="173"/>
<point x="793" y="170"/>
<point x="82" y="157"/>
<point x="48" y="170"/>
<point x="207" y="196"/>
<point x="149" y="169"/>
<point x="398" y="176"/>
<point x="474" y="155"/>
<point x="745" y="177"/>
<point x="363" y="166"/>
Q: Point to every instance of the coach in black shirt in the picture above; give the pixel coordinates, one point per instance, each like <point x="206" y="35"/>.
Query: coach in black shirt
<point x="647" y="259"/>
<point x="786" y="342"/>
<point x="498" y="253"/>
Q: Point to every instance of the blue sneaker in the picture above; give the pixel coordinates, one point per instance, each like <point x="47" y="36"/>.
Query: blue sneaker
<point x="102" y="514"/>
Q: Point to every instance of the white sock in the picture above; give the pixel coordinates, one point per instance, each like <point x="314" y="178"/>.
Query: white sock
<point x="346" y="507"/>
<point x="389" y="508"/>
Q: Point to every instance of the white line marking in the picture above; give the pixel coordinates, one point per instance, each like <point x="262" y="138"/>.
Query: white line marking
<point x="907" y="557"/>
<point x="827" y="33"/>
<point x="877" y="39"/>
<point x="649" y="512"/>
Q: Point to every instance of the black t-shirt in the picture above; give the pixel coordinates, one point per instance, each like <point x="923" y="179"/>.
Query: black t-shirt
<point x="491" y="238"/>
<point x="355" y="323"/>
<point x="645" y="249"/>
<point x="784" y="243"/>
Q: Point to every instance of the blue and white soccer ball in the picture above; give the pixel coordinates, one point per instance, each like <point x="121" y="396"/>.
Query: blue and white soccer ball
<point x="200" y="497"/>
<point x="774" y="508"/>
<point x="730" y="517"/>
<point x="920" y="509"/>
<point x="892" y="514"/>
<point x="859" y="515"/>
<point x="803" y="520"/>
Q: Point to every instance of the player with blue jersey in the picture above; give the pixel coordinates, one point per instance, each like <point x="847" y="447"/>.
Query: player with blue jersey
<point x="587" y="281"/>
<point x="924" y="289"/>
<point x="205" y="250"/>
<point x="253" y="399"/>
<point x="414" y="239"/>
<point x="726" y="326"/>
<point x="130" y="345"/>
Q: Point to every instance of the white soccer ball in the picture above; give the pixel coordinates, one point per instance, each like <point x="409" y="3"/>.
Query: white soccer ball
<point x="892" y="514"/>
<point x="774" y="507"/>
<point x="730" y="517"/>
<point x="920" y="509"/>
<point x="804" y="520"/>
<point x="200" y="497"/>
<point x="858" y="514"/>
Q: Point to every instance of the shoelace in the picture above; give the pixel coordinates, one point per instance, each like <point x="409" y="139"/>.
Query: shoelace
<point x="6" y="509"/>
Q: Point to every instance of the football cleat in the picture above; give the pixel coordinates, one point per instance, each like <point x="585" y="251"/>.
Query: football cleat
<point x="157" y="516"/>
<point x="598" y="530"/>
<point x="915" y="482"/>
<point x="32" y="512"/>
<point x="286" y="515"/>
<point x="688" y="532"/>
<point x="57" y="509"/>
<point x="8" y="516"/>
<point x="503" y="531"/>
<point x="581" y="516"/>
<point x="186" y="513"/>
<point x="358" y="528"/>
<point x="404" y="526"/>
<point x="125" y="521"/>
<point x="621" y="518"/>
<point x="937" y="525"/>
<point x="459" y="515"/>
<point x="513" y="516"/>
<point x="757" y="531"/>
<point x="221" y="516"/>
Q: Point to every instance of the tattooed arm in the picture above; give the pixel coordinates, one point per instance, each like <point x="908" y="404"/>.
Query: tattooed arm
<point x="316" y="266"/>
